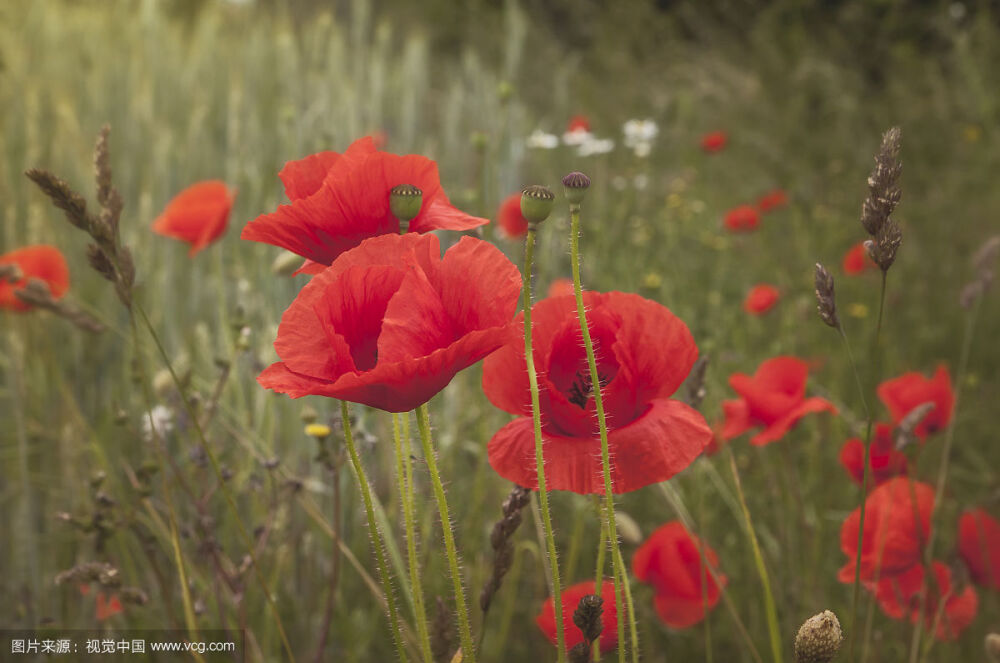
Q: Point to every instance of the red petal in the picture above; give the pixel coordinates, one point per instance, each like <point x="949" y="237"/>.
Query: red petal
<point x="197" y="215"/>
<point x="777" y="430"/>
<point x="571" y="596"/>
<point x="304" y="177"/>
<point x="479" y="285"/>
<point x="737" y="415"/>
<point x="653" y="448"/>
<point x="42" y="262"/>
<point x="979" y="545"/>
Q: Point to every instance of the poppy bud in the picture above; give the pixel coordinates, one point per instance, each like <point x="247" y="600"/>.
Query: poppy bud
<point x="286" y="264"/>
<point x="587" y="616"/>
<point x="405" y="201"/>
<point x="308" y="415"/>
<point x="819" y="639"/>
<point x="536" y="203"/>
<point x="576" y="184"/>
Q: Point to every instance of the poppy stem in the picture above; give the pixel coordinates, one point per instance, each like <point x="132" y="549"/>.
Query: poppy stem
<point x="404" y="474"/>
<point x="536" y="416"/>
<point x="602" y="544"/>
<point x="464" y="630"/>
<point x="942" y="479"/>
<point x="595" y="380"/>
<point x="769" y="607"/>
<point x="366" y="496"/>
<point x="865" y="463"/>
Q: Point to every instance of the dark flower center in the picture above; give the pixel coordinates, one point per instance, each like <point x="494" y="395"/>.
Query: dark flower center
<point x="582" y="388"/>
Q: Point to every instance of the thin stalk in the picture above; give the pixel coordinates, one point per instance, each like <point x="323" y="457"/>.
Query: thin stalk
<point x="769" y="607"/>
<point x="536" y="416"/>
<point x="366" y="496"/>
<point x="403" y="474"/>
<point x="464" y="630"/>
<point x="595" y="381"/>
<point x="599" y="577"/>
<point x="704" y="574"/>
<point x="942" y="479"/>
<point x="633" y="629"/>
<point x="214" y="462"/>
<point x="864" y="471"/>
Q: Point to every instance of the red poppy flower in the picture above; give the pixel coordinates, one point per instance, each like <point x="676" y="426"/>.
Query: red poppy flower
<point x="774" y="397"/>
<point x="561" y="287"/>
<point x="571" y="596"/>
<point x="390" y="322"/>
<point x="909" y="390"/>
<point x="947" y="609"/>
<point x="897" y="524"/>
<point x="197" y="215"/>
<point x="107" y="607"/>
<point x="979" y="545"/>
<point x="512" y="222"/>
<point x="884" y="461"/>
<point x="714" y="141"/>
<point x="857" y="260"/>
<point x="772" y="200"/>
<point x="742" y="219"/>
<point x="578" y="123"/>
<point x="643" y="352"/>
<point x="339" y="200"/>
<point x="41" y="262"/>
<point x="671" y="561"/>
<point x="761" y="299"/>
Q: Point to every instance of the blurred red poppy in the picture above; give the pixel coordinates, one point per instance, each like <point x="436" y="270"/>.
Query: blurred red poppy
<point x="512" y="223"/>
<point x="107" y="607"/>
<point x="947" y="610"/>
<point x="578" y="123"/>
<point x="773" y="398"/>
<point x="884" y="460"/>
<point x="197" y="215"/>
<point x="671" y="561"/>
<point x="561" y="287"/>
<point x="714" y="141"/>
<point x="571" y="596"/>
<point x="391" y="322"/>
<point x="761" y="299"/>
<point x="979" y="545"/>
<point x="897" y="524"/>
<point x="340" y="200"/>
<point x="643" y="352"/>
<point x="912" y="389"/>
<point x="857" y="260"/>
<point x="742" y="219"/>
<point x="772" y="200"/>
<point x="41" y="262"/>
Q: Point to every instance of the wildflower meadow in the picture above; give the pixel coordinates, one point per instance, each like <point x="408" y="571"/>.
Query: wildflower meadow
<point x="448" y="332"/>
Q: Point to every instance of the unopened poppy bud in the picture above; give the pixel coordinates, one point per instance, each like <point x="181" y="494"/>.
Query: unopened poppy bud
<point x="628" y="529"/>
<point x="587" y="616"/>
<point x="308" y="415"/>
<point x="286" y="263"/>
<point x="819" y="639"/>
<point x="576" y="184"/>
<point x="536" y="203"/>
<point x="405" y="201"/>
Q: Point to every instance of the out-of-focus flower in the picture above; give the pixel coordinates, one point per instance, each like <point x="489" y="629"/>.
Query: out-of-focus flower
<point x="742" y="219"/>
<point x="571" y="596"/>
<point x="43" y="262"/>
<point x="901" y="395"/>
<point x="761" y="298"/>
<point x="857" y="260"/>
<point x="197" y="215"/>
<point x="772" y="200"/>
<point x="511" y="222"/>
<point x="561" y="287"/>
<point x="714" y="141"/>
<point x="639" y="136"/>
<point x="539" y="140"/>
<point x="160" y="419"/>
<point x="979" y="545"/>
<point x="593" y="145"/>
<point x="884" y="461"/>
<point x="950" y="608"/>
<point x="577" y="131"/>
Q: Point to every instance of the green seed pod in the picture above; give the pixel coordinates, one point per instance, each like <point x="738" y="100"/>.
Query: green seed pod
<point x="536" y="203"/>
<point x="576" y="185"/>
<point x="405" y="201"/>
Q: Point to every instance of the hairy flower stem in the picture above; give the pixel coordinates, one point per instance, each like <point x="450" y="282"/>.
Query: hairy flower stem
<point x="464" y="630"/>
<point x="536" y="416"/>
<point x="404" y="478"/>
<point x="366" y="496"/>
<point x="602" y="544"/>
<point x="942" y="479"/>
<point x="864" y="469"/>
<point x="769" y="607"/>
<point x="595" y="379"/>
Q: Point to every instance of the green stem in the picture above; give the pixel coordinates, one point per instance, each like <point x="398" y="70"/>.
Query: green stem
<point x="464" y="630"/>
<point x="536" y="416"/>
<point x="366" y="496"/>
<point x="404" y="476"/>
<point x="942" y="479"/>
<point x="599" y="578"/>
<point x="864" y="470"/>
<point x="769" y="607"/>
<point x="595" y="381"/>
<point x="633" y="629"/>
